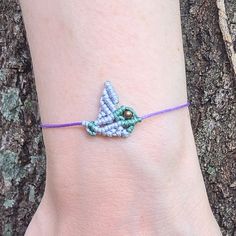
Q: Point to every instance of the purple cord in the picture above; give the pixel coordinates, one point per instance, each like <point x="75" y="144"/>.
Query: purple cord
<point x="165" y="111"/>
<point x="142" y="117"/>
<point x="61" y="125"/>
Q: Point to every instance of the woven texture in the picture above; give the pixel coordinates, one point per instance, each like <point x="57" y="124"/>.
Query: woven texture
<point x="112" y="120"/>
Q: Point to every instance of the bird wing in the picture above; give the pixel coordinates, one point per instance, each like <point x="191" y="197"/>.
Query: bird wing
<point x="109" y="100"/>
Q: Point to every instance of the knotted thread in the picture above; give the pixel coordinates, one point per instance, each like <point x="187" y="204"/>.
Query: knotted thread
<point x="112" y="120"/>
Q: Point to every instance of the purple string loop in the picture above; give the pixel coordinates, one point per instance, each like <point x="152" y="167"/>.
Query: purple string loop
<point x="79" y="123"/>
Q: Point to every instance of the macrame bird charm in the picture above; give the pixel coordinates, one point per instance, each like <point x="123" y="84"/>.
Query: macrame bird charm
<point x="113" y="120"/>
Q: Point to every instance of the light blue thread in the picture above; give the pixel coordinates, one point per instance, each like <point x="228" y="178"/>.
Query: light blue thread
<point x="111" y="121"/>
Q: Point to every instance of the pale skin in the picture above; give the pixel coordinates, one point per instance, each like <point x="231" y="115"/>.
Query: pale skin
<point x="147" y="184"/>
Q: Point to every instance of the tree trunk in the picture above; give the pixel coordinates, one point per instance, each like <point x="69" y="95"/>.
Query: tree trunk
<point x="209" y="44"/>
